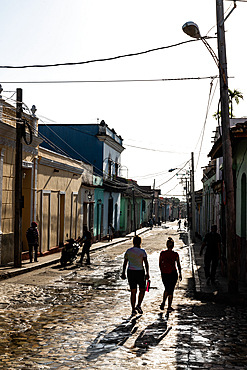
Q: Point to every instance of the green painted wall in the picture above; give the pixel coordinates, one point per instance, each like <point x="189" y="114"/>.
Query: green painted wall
<point x="240" y="167"/>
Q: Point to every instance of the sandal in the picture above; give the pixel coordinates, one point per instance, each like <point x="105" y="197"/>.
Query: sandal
<point x="162" y="306"/>
<point x="139" y="310"/>
<point x="170" y="309"/>
<point x="133" y="313"/>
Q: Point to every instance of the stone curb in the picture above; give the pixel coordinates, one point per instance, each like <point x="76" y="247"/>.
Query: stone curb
<point x="6" y="274"/>
<point x="194" y="270"/>
<point x="9" y="274"/>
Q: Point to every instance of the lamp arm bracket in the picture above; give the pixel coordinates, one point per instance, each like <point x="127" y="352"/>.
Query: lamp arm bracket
<point x="215" y="58"/>
<point x="234" y="7"/>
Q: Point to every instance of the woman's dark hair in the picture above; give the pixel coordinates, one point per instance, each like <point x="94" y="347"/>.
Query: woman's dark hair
<point x="137" y="240"/>
<point x="170" y="242"/>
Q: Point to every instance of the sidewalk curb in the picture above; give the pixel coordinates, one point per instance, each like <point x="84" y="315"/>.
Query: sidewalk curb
<point x="124" y="239"/>
<point x="92" y="250"/>
<point x="7" y="275"/>
<point x="4" y="275"/>
<point x="195" y="274"/>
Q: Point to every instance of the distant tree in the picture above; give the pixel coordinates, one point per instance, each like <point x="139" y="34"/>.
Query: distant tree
<point x="233" y="95"/>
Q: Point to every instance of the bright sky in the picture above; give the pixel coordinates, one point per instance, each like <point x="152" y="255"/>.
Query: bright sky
<point x="161" y="122"/>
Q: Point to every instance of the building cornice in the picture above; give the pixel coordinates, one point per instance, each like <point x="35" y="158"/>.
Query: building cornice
<point x="111" y="142"/>
<point x="60" y="166"/>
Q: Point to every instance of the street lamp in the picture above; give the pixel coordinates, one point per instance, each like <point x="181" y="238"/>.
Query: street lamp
<point x="172" y="169"/>
<point x="192" y="29"/>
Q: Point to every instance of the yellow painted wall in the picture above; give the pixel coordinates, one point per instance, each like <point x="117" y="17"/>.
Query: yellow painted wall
<point x="8" y="195"/>
<point x="55" y="182"/>
<point x="26" y="192"/>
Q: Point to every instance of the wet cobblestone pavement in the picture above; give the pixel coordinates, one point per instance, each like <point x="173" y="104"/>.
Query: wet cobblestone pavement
<point x="80" y="319"/>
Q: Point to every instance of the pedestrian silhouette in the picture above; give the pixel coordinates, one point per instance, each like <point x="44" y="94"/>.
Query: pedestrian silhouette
<point x="32" y="235"/>
<point x="212" y="242"/>
<point x="167" y="263"/>
<point x="135" y="258"/>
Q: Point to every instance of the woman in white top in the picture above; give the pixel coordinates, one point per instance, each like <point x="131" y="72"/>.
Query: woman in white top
<point x="136" y="258"/>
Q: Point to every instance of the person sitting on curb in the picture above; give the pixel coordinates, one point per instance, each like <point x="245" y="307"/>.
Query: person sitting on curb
<point x="135" y="257"/>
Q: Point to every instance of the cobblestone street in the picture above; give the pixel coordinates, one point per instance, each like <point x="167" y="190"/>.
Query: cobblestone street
<point x="79" y="318"/>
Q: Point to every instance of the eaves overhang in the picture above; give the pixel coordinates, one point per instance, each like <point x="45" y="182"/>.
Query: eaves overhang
<point x="238" y="133"/>
<point x="216" y="151"/>
<point x="60" y="166"/>
<point x="217" y="186"/>
<point x="111" y="142"/>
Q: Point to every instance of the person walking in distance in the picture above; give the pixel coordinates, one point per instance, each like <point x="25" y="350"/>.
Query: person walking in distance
<point x="168" y="262"/>
<point x="136" y="258"/>
<point x="87" y="241"/>
<point x="32" y="235"/>
<point x="212" y="242"/>
<point x="111" y="232"/>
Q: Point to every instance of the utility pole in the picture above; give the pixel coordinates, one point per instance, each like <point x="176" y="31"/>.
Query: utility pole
<point x="165" y="209"/>
<point x="187" y="200"/>
<point x="153" y="201"/>
<point x="134" y="209"/>
<point x="193" y="204"/>
<point x="18" y="183"/>
<point x="227" y="155"/>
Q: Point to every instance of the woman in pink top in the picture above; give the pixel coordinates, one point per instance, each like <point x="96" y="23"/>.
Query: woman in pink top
<point x="167" y="263"/>
<point x="135" y="257"/>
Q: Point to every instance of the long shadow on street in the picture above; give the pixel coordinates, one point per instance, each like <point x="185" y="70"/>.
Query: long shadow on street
<point x="151" y="336"/>
<point x="109" y="342"/>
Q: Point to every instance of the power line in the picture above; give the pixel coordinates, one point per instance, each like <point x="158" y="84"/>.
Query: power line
<point x="179" y="169"/>
<point x="154" y="150"/>
<point x="110" y="81"/>
<point x="61" y="151"/>
<point x="152" y="175"/>
<point x="206" y="117"/>
<point x="102" y="59"/>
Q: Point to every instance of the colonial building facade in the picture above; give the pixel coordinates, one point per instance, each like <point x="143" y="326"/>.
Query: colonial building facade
<point x="55" y="189"/>
<point x="101" y="147"/>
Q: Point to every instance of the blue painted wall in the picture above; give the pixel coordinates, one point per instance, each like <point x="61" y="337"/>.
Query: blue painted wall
<point x="76" y="141"/>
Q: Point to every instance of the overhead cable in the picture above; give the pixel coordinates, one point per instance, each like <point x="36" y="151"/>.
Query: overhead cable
<point x="101" y="59"/>
<point x="206" y="117"/>
<point x="109" y="81"/>
<point x="154" y="150"/>
<point x="175" y="174"/>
